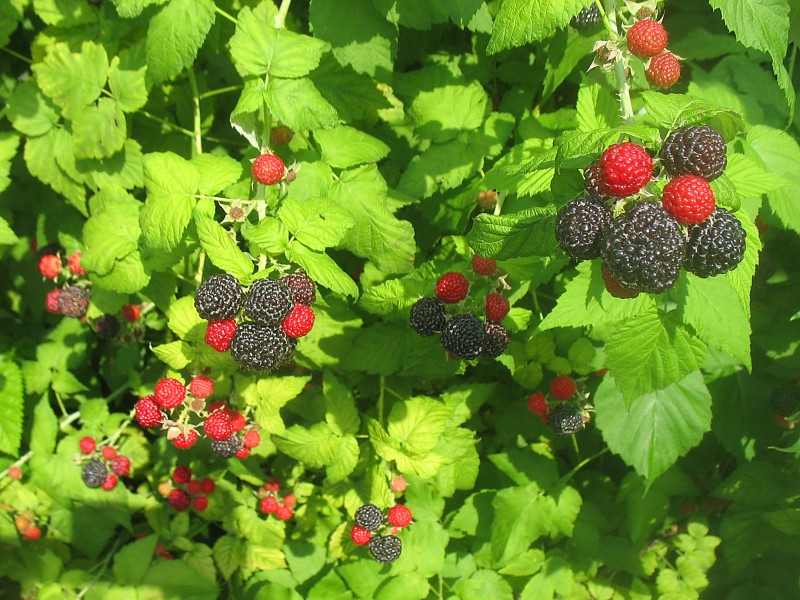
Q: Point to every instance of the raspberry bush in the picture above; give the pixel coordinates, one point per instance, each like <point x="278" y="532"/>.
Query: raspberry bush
<point x="275" y="280"/>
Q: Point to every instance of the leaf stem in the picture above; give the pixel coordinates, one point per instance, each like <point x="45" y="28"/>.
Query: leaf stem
<point x="103" y="566"/>
<point x="380" y="399"/>
<point x="198" y="123"/>
<point x="621" y="66"/>
<point x="225" y="15"/>
<point x="280" y="18"/>
<point x="17" y="55"/>
<point x="71" y="418"/>
<point x="582" y="464"/>
<point x="218" y="91"/>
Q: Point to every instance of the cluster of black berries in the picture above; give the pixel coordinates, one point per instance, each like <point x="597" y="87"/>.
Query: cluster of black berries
<point x="276" y="313"/>
<point x="644" y="248"/>
<point x="587" y="18"/>
<point x="370" y="520"/>
<point x="104" y="465"/>
<point x="463" y="336"/>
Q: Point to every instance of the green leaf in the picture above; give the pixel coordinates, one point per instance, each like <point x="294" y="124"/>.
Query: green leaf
<point x="442" y="113"/>
<point x="374" y="54"/>
<point x="44" y="433"/>
<point x="216" y="172"/>
<point x="585" y="302"/>
<point x="298" y="104"/>
<point x="343" y="147"/>
<point x="658" y="427"/>
<point x="526" y="233"/>
<point x="355" y="97"/>
<point x="521" y="22"/>
<point x="9" y="142"/>
<point x="416" y="424"/>
<point x="750" y="179"/>
<point x="127" y="87"/>
<point x="175" y="36"/>
<point x="318" y="446"/>
<point x="649" y="352"/>
<point x="128" y="275"/>
<point x="12" y="404"/>
<point x="713" y="309"/>
<point x="341" y="413"/>
<point x="564" y="53"/>
<point x="270" y="235"/>
<point x="171" y="181"/>
<point x="318" y="223"/>
<point x="258" y="48"/>
<point x="99" y="130"/>
<point x="7" y="235"/>
<point x="268" y="395"/>
<point x="229" y="554"/>
<point x="30" y="111"/>
<point x="741" y="278"/>
<point x="484" y="584"/>
<point x="779" y="154"/>
<point x="133" y="8"/>
<point x="64" y="13"/>
<point x="675" y="110"/>
<point x="596" y="108"/>
<point x="322" y="269"/>
<point x="176" y="355"/>
<point x="42" y="164"/>
<point x="221" y="249"/>
<point x="132" y="561"/>
<point x="110" y="236"/>
<point x="73" y="80"/>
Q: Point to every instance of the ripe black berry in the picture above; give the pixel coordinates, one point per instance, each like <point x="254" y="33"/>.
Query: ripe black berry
<point x="302" y="286"/>
<point x="463" y="336"/>
<point x="261" y="347"/>
<point x="226" y="448"/>
<point x="694" y="150"/>
<point x="73" y="301"/>
<point x="592" y="180"/>
<point x="94" y="473"/>
<point x="716" y="245"/>
<point x="369" y="517"/>
<point x="268" y="302"/>
<point x="219" y="298"/>
<point x="644" y="248"/>
<point x="385" y="548"/>
<point x="565" y="420"/>
<point x="580" y="225"/>
<point x="427" y="316"/>
<point x="496" y="340"/>
<point x="785" y="401"/>
<point x="586" y="19"/>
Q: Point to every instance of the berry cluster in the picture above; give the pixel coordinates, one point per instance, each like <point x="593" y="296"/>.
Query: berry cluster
<point x="587" y="19"/>
<point x="275" y="314"/>
<point x="190" y="492"/>
<point x="282" y="507"/>
<point x="26" y="526"/>
<point x="464" y="335"/>
<point x="104" y="464"/>
<point x="643" y="248"/>
<point x="564" y="411"/>
<point x="370" y="526"/>
<point x="647" y="40"/>
<point x="230" y="432"/>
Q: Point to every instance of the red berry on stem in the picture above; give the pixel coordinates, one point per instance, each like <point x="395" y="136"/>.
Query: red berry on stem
<point x="689" y="198"/>
<point x="14" y="472"/>
<point x="625" y="169"/>
<point x="251" y="439"/>
<point x="131" y="312"/>
<point x="169" y="393"/>
<point x="647" y="38"/>
<point x="399" y="515"/>
<point x="399" y="485"/>
<point x="87" y="445"/>
<point x="74" y="262"/>
<point x="121" y="465"/>
<point x="664" y="70"/>
<point x="289" y="500"/>
<point x="268" y="169"/>
<point x="284" y="513"/>
<point x="185" y="440"/>
<point x="237" y="420"/>
<point x="217" y="425"/>
<point x="32" y="533"/>
<point x="360" y="536"/>
<point x="269" y="505"/>
<point x="219" y="334"/>
<point x="497" y="307"/>
<point x="148" y="412"/>
<point x="179" y="500"/>
<point x="452" y="287"/>
<point x="484" y="266"/>
<point x="109" y="453"/>
<point x="51" y="301"/>
<point x="49" y="266"/>
<point x="181" y="475"/>
<point x="208" y="486"/>
<point x="299" y="321"/>
<point x="272" y="485"/>
<point x="110" y="483"/>
<point x="201" y="387"/>
<point x="200" y="503"/>
<point x="194" y="487"/>
<point x="537" y="404"/>
<point x="563" y="387"/>
<point x="242" y="453"/>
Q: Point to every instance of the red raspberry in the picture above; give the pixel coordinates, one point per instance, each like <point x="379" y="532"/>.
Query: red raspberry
<point x="251" y="439"/>
<point x="289" y="500"/>
<point x="689" y="198"/>
<point x="32" y="533"/>
<point x="208" y="485"/>
<point x="496" y="307"/>
<point x="51" y="302"/>
<point x="110" y="483"/>
<point x="237" y="420"/>
<point x="201" y="387"/>
<point x="537" y="404"/>
<point x="399" y="485"/>
<point x="284" y="513"/>
<point x="563" y="387"/>
<point x="74" y="262"/>
<point x="87" y="444"/>
<point x="185" y="440"/>
<point x="50" y="266"/>
<point x="299" y="321"/>
<point x="148" y="413"/>
<point x="181" y="475"/>
<point x="121" y="465"/>
<point x="625" y="169"/>
<point x="272" y="485"/>
<point x="217" y="425"/>
<point x="217" y="405"/>
<point x="179" y="500"/>
<point x="242" y="453"/>
<point x="131" y="312"/>
<point x="200" y="503"/>
<point x="399" y="515"/>
<point x="360" y="536"/>
<point x="452" y="287"/>
<point x="269" y="505"/>
<point x="484" y="266"/>
<point x="268" y="169"/>
<point x="664" y="70"/>
<point x="219" y="334"/>
<point x="109" y="453"/>
<point x="194" y="487"/>
<point x="647" y="38"/>
<point x="14" y="472"/>
<point x="169" y="393"/>
<point x="614" y="287"/>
